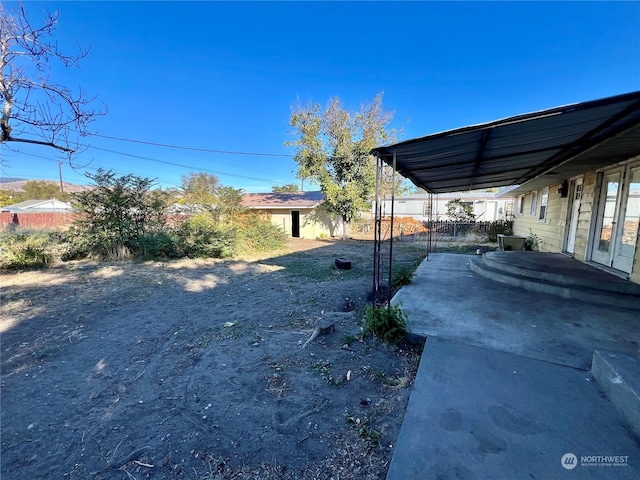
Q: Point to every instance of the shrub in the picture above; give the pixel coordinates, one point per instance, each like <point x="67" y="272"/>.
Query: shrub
<point x="24" y="251"/>
<point x="258" y="233"/>
<point x="387" y="323"/>
<point x="157" y="244"/>
<point x="402" y="275"/>
<point x="200" y="236"/>
<point x="499" y="227"/>
<point x="116" y="213"/>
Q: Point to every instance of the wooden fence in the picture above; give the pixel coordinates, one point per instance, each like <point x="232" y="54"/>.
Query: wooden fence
<point x="36" y="220"/>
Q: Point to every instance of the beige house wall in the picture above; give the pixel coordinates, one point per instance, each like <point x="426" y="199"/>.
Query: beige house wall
<point x="314" y="223"/>
<point x="551" y="232"/>
<point x="587" y="206"/>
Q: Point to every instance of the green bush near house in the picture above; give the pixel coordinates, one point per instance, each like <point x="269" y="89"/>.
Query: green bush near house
<point x="499" y="227"/>
<point x="387" y="323"/>
<point x="402" y="275"/>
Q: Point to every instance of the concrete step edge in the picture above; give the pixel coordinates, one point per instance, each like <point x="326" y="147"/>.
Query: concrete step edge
<point x="557" y="278"/>
<point x="621" y="393"/>
<point x="589" y="295"/>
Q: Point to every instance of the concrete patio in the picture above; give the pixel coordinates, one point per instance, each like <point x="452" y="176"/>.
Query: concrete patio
<point x="505" y="389"/>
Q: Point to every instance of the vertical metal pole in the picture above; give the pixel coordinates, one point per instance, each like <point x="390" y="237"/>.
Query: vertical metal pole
<point x="431" y="224"/>
<point x="376" y="236"/>
<point x="393" y="195"/>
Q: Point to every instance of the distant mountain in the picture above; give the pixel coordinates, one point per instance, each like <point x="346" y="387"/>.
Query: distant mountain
<point x="18" y="186"/>
<point x="10" y="180"/>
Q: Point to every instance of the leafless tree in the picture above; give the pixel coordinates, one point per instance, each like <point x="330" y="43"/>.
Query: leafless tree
<point x="32" y="104"/>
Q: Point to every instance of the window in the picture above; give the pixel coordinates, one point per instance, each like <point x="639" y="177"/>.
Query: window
<point x="509" y="211"/>
<point x="521" y="205"/>
<point x="543" y="205"/>
<point x="426" y="209"/>
<point x="534" y="203"/>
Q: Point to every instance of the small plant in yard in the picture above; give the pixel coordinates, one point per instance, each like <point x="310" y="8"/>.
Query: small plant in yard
<point x="387" y="323"/>
<point x="325" y="370"/>
<point x="365" y="430"/>
<point x="403" y="275"/>
<point x="349" y="339"/>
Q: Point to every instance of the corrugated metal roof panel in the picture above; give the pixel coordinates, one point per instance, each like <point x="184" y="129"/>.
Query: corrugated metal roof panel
<point x="522" y="148"/>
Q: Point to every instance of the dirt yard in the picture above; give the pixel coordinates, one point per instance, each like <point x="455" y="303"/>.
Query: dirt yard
<point x="194" y="369"/>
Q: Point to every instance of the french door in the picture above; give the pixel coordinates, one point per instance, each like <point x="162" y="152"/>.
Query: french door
<point x="616" y="231"/>
<point x="629" y="218"/>
<point x="576" y="197"/>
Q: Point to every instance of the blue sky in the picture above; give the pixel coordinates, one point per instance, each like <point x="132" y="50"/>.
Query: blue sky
<point x="224" y="76"/>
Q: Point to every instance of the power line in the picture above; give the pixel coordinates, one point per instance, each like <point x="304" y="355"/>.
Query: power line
<point x="229" y="152"/>
<point x="190" y="167"/>
<point x="183" y="166"/>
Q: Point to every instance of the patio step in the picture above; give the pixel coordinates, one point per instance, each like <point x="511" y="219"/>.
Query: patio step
<point x="559" y="275"/>
<point x="618" y="376"/>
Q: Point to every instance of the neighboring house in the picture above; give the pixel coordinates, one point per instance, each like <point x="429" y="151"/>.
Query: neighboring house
<point x="299" y="214"/>
<point x="51" y="205"/>
<point x="577" y="168"/>
<point x="37" y="214"/>
<point x="487" y="206"/>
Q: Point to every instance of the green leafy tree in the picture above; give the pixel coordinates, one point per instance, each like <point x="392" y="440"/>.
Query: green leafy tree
<point x="288" y="188"/>
<point x="332" y="150"/>
<point x="388" y="183"/>
<point x="8" y="197"/>
<point x="170" y="195"/>
<point x="460" y="212"/>
<point x="43" y="190"/>
<point x="117" y="213"/>
<point x="200" y="189"/>
<point x="229" y="201"/>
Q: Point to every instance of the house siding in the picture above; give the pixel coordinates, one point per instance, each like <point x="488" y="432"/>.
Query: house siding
<point x="635" y="275"/>
<point x="314" y="223"/>
<point x="485" y="206"/>
<point x="587" y="204"/>
<point x="552" y="232"/>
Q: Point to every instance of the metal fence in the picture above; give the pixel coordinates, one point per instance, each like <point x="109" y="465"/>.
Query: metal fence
<point x="461" y="230"/>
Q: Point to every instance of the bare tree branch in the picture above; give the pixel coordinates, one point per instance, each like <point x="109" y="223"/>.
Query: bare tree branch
<point x="31" y="103"/>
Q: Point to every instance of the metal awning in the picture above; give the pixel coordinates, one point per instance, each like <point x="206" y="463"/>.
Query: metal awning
<point x="537" y="149"/>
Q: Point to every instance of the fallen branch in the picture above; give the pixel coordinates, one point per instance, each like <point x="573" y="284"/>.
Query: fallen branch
<point x="323" y="326"/>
